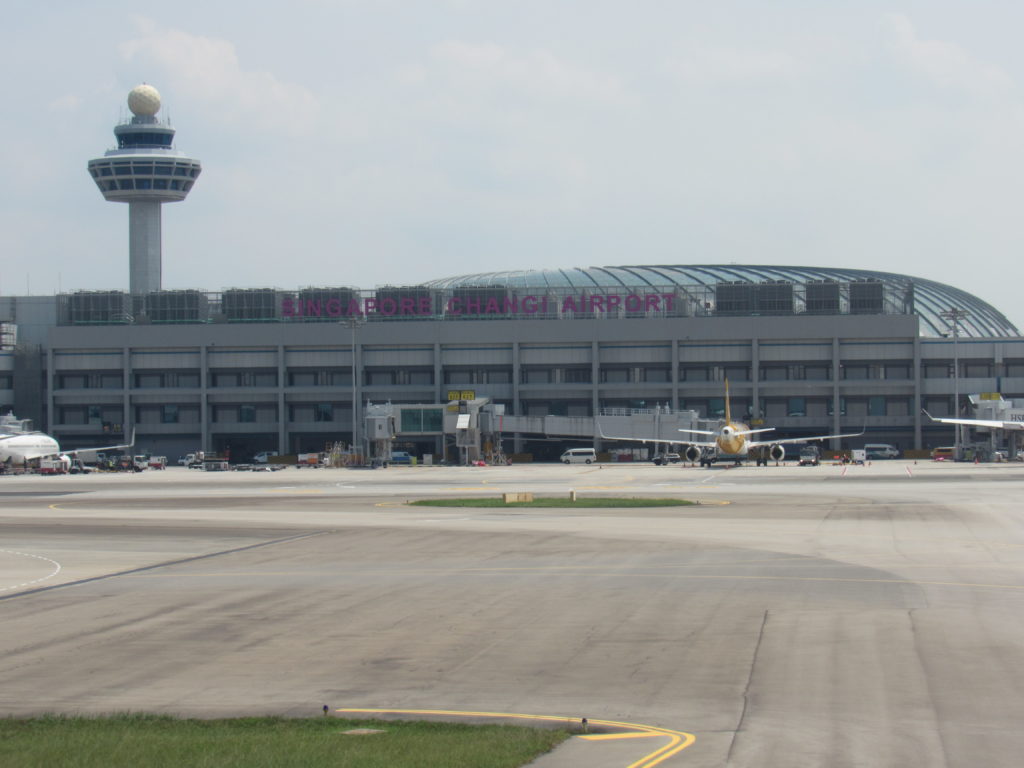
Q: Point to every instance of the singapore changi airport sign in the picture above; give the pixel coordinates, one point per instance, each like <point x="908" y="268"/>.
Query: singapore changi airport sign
<point x="469" y="306"/>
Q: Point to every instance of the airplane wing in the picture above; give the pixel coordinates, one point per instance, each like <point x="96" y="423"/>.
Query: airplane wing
<point x="754" y="431"/>
<point x="102" y="448"/>
<point x="697" y="431"/>
<point x="757" y="443"/>
<point x="990" y="423"/>
<point x="699" y="444"/>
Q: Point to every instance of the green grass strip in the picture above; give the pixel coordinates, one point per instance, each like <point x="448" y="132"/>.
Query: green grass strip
<point x="265" y="742"/>
<point x="562" y="502"/>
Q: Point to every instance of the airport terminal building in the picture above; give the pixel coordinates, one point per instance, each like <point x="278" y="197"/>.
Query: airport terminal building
<point x="805" y="350"/>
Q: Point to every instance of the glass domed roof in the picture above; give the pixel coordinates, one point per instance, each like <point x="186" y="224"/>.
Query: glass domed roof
<point x="930" y="298"/>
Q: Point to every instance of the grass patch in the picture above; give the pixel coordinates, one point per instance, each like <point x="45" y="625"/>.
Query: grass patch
<point x="555" y="501"/>
<point x="264" y="742"/>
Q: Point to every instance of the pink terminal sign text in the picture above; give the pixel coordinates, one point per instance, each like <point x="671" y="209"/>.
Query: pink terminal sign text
<point x="423" y="306"/>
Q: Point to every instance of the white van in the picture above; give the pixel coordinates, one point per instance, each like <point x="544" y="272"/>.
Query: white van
<point x="880" y="451"/>
<point x="579" y="456"/>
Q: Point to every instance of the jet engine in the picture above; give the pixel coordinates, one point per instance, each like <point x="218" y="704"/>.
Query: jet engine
<point x="692" y="454"/>
<point x="777" y="452"/>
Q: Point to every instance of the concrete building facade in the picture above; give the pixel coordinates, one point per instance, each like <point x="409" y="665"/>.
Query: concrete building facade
<point x="287" y="381"/>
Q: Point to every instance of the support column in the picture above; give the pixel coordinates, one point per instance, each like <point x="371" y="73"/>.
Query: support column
<point x="439" y="386"/>
<point x="836" y="410"/>
<point x="51" y="382"/>
<point x="517" y="437"/>
<point x="282" y="415"/>
<point x="144" y="257"/>
<point x="128" y="415"/>
<point x="204" y="405"/>
<point x="675" y="375"/>
<point x="917" y="393"/>
<point x="595" y="400"/>
<point x="755" y="378"/>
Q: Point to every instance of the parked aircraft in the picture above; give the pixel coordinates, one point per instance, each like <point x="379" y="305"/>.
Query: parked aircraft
<point x="732" y="441"/>
<point x="20" y="444"/>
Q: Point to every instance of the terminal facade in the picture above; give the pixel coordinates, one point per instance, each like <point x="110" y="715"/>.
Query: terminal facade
<point x="250" y="370"/>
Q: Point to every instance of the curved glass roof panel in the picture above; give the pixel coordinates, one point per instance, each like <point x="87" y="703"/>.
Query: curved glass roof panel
<point x="931" y="299"/>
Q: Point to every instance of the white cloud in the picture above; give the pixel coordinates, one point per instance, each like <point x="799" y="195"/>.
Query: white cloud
<point x="66" y="103"/>
<point x="945" y="64"/>
<point x="726" y="65"/>
<point x="538" y="74"/>
<point x="208" y="70"/>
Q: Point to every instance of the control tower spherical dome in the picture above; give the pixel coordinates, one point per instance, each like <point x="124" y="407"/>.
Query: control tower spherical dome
<point x="144" y="100"/>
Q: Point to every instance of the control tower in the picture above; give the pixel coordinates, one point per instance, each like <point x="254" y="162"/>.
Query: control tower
<point x="144" y="171"/>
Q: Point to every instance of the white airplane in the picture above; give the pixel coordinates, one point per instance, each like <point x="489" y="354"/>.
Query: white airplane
<point x="731" y="441"/>
<point x="20" y="444"/>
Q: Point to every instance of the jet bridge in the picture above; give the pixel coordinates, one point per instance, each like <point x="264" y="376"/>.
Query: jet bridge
<point x="479" y="428"/>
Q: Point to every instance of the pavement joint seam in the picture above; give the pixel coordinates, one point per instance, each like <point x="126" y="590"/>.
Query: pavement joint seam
<point x="164" y="564"/>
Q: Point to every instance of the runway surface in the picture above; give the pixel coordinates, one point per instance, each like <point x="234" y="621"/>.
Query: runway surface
<point x="797" y="617"/>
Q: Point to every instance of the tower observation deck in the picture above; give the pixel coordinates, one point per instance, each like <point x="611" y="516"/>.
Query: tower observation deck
<point x="145" y="171"/>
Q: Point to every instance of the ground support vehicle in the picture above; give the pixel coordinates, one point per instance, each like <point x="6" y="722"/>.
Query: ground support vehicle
<point x="810" y="456"/>
<point x="667" y="458"/>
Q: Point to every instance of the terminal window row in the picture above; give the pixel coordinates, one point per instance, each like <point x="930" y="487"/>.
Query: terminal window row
<point x="103" y="417"/>
<point x="387" y="376"/>
<point x="167" y="414"/>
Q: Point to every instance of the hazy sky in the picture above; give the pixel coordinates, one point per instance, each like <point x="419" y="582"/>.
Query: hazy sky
<point x="354" y="142"/>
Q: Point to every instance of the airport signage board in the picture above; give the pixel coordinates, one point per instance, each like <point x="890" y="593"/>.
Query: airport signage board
<point x="470" y="306"/>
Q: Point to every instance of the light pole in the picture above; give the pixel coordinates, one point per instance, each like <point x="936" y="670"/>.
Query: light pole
<point x="354" y="322"/>
<point x="955" y="315"/>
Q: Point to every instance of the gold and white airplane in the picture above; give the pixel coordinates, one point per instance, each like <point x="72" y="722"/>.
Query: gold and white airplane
<point x="732" y="441"/>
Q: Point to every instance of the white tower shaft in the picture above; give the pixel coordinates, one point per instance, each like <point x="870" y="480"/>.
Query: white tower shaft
<point x="144" y="246"/>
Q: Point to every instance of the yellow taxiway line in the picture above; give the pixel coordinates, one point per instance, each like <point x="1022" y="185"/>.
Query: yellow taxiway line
<point x="678" y="740"/>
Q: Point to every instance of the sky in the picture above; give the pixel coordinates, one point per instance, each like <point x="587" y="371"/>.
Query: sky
<point x="388" y="142"/>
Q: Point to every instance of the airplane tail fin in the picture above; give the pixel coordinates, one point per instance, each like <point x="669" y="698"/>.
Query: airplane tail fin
<point x="728" y="414"/>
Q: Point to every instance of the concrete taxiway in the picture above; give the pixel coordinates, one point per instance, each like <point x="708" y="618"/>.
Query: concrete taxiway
<point x="856" y="616"/>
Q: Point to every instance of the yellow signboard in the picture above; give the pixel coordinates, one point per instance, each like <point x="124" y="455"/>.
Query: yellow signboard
<point x="461" y="394"/>
<point x="990" y="396"/>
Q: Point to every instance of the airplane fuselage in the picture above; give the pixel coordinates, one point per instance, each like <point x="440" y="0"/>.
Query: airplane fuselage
<point x="729" y="442"/>
<point x="16" y="449"/>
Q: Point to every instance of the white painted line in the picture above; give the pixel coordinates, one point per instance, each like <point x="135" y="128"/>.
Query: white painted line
<point x="50" y="575"/>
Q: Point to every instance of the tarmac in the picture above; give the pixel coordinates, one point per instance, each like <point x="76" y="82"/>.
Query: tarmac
<point x="797" y="616"/>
